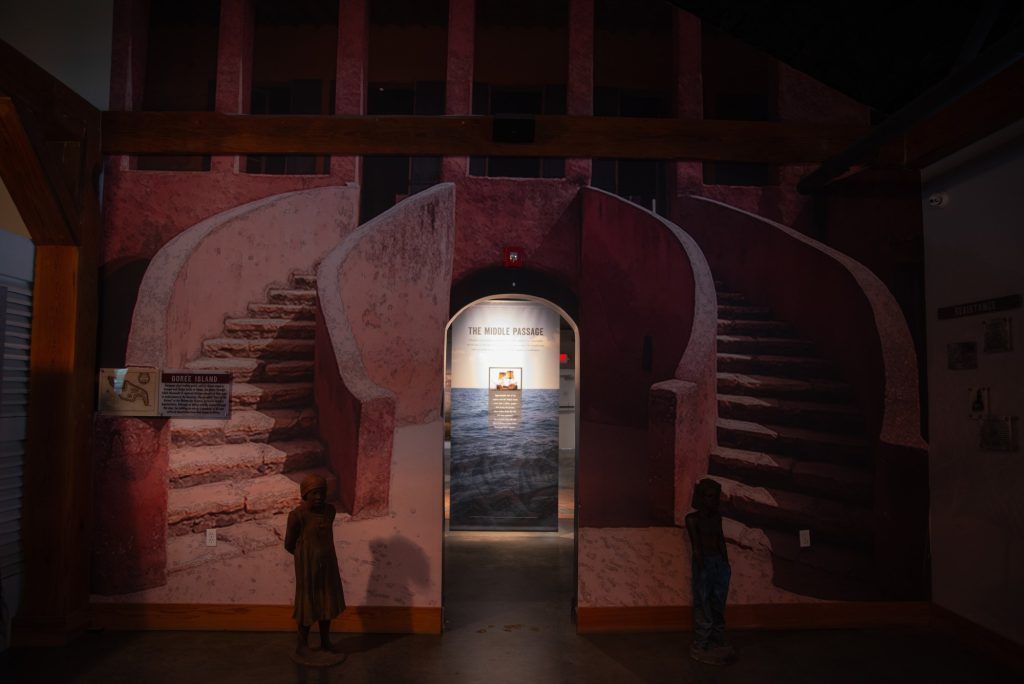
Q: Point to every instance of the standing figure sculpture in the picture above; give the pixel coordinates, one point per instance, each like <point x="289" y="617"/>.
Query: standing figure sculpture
<point x="318" y="593"/>
<point x="711" y="574"/>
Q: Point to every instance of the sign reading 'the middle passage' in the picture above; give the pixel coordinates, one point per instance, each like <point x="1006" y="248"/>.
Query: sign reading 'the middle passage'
<point x="195" y="394"/>
<point x="504" y="412"/>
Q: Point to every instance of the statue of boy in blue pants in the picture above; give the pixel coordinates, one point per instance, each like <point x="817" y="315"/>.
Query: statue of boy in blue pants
<point x="711" y="573"/>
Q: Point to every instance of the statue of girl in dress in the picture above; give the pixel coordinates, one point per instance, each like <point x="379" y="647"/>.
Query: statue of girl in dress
<point x="310" y="538"/>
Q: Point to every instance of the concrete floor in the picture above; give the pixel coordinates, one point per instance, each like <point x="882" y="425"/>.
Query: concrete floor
<point x="507" y="619"/>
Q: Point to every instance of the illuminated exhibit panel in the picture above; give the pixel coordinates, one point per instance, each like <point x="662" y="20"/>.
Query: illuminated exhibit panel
<point x="505" y="415"/>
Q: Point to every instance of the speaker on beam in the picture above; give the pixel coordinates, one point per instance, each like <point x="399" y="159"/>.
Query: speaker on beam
<point x="515" y="129"/>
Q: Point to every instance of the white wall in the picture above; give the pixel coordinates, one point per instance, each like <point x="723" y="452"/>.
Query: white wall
<point x="71" y="39"/>
<point x="974" y="250"/>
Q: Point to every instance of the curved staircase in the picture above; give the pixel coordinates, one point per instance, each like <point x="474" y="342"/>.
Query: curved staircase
<point x="793" y="454"/>
<point x="241" y="475"/>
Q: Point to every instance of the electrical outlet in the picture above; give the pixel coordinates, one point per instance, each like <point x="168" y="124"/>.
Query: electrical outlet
<point x="805" y="539"/>
<point x="211" y="536"/>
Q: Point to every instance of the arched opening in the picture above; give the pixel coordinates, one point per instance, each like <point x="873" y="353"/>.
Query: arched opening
<point x="510" y="454"/>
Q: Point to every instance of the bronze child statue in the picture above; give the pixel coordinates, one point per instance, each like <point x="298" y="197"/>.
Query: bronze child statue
<point x="711" y="573"/>
<point x="318" y="593"/>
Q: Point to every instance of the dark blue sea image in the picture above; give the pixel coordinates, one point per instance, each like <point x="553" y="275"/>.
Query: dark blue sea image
<point x="504" y="478"/>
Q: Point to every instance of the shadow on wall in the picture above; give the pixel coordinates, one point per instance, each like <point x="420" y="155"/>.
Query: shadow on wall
<point x="398" y="566"/>
<point x="119" y="287"/>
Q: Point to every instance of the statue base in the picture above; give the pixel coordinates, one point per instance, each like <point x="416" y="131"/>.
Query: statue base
<point x="318" y="658"/>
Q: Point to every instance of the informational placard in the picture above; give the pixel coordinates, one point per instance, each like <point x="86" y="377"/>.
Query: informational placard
<point x="984" y="306"/>
<point x="505" y="398"/>
<point x="504" y="417"/>
<point x="195" y="394"/>
<point x="129" y="391"/>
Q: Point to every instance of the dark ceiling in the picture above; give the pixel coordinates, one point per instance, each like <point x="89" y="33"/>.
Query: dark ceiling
<point x="880" y="54"/>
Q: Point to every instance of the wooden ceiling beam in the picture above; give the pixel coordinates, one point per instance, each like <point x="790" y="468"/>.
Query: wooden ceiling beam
<point x="197" y="133"/>
<point x="991" y="106"/>
<point x="61" y="113"/>
<point x="35" y="185"/>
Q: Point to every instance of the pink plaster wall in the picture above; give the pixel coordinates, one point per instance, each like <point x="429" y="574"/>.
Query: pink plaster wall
<point x="383" y="307"/>
<point x="357" y="425"/>
<point x="685" y="177"/>
<point x="129" y="549"/>
<point x="234" y="57"/>
<point x="854" y="320"/>
<point x="458" y="95"/>
<point x="579" y="95"/>
<point x="350" y="90"/>
<point x="143" y="210"/>
<point x="830" y="297"/>
<point x="128" y="54"/>
<point x="641" y="276"/>
<point x="217" y="267"/>
<point x="540" y="216"/>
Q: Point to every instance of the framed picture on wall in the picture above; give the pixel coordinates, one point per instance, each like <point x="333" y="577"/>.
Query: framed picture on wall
<point x="998" y="335"/>
<point x="962" y="355"/>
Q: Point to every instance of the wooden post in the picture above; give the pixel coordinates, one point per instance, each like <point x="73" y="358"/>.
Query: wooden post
<point x="59" y="203"/>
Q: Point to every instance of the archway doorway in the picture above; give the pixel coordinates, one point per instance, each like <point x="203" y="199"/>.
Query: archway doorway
<point x="510" y="479"/>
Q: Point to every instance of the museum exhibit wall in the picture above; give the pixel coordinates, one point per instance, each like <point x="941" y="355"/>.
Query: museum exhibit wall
<point x="621" y="262"/>
<point x="973" y="248"/>
<point x="390" y="555"/>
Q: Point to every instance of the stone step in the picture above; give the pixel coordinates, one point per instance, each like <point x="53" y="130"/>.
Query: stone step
<point x="829" y="417"/>
<point x="221" y="504"/>
<point x="302" y="312"/>
<point x="263" y="348"/>
<point x="271" y="395"/>
<point x="269" y="327"/>
<point x="195" y="465"/>
<point x="791" y="441"/>
<point x="291" y="296"/>
<point x="256" y="370"/>
<point x="821" y="570"/>
<point x="756" y="328"/>
<point x="779" y="346"/>
<point x="779" y="366"/>
<point x="737" y="298"/>
<point x="301" y="281"/>
<point x="827" y="520"/>
<point x="744" y="312"/>
<point x="242" y="370"/>
<point x="188" y="551"/>
<point x="804" y="389"/>
<point x="759" y="469"/>
<point x="245" y="426"/>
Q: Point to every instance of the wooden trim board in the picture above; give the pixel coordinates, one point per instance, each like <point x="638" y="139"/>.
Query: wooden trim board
<point x="594" y="620"/>
<point x="258" y="618"/>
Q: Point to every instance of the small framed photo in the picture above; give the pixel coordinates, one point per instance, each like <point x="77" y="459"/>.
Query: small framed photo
<point x="998" y="335"/>
<point x="962" y="355"/>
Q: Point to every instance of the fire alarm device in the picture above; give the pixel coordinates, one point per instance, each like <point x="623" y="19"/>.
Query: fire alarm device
<point x="513" y="257"/>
